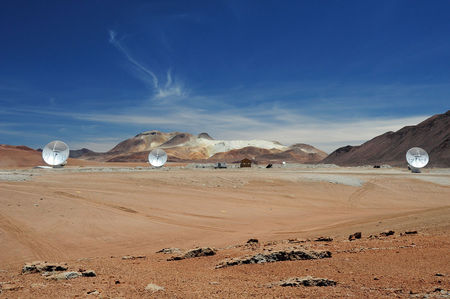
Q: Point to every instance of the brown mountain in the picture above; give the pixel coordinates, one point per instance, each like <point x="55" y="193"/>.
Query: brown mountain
<point x="297" y="153"/>
<point x="18" y="156"/>
<point x="433" y="135"/>
<point x="12" y="156"/>
<point x="202" y="148"/>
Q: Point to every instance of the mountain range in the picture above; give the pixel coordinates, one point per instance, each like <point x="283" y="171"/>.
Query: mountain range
<point x="184" y="147"/>
<point x="433" y="135"/>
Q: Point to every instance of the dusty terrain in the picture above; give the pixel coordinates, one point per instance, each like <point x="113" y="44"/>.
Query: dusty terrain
<point x="90" y="217"/>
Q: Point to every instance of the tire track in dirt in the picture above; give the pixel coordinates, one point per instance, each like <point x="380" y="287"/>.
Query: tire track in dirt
<point x="153" y="218"/>
<point x="355" y="198"/>
<point x="157" y="219"/>
<point x="28" y="238"/>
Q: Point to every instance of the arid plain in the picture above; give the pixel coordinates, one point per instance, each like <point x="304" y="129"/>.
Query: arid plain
<point x="90" y="217"/>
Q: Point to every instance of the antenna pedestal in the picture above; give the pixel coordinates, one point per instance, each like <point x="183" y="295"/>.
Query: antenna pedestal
<point x="414" y="169"/>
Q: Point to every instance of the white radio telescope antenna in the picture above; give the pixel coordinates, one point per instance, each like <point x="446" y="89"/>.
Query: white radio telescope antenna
<point x="417" y="158"/>
<point x="55" y="153"/>
<point x="157" y="157"/>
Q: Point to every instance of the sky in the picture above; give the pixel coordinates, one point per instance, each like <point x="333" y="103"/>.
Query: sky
<point x="326" y="73"/>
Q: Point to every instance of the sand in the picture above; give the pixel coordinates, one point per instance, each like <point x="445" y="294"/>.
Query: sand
<point x="91" y="216"/>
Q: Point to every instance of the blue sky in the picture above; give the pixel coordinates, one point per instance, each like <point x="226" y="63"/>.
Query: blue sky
<point x="326" y="73"/>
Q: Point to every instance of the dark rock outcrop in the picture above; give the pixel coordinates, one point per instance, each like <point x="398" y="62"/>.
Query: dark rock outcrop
<point x="38" y="267"/>
<point x="197" y="252"/>
<point x="307" y="281"/>
<point x="276" y="256"/>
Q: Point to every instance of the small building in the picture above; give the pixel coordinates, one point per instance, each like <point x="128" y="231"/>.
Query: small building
<point x="220" y="165"/>
<point x="246" y="162"/>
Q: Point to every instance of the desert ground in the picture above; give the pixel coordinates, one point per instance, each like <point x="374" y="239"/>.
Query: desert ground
<point x="112" y="218"/>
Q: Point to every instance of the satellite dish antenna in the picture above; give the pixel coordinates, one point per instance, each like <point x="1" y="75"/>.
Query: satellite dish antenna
<point x="157" y="157"/>
<point x="55" y="153"/>
<point x="417" y="158"/>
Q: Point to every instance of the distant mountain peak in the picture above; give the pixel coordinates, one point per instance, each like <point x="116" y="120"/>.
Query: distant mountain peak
<point x="205" y="136"/>
<point x="187" y="147"/>
<point x="432" y="134"/>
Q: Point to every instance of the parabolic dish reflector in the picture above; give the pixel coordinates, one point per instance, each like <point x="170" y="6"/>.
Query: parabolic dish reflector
<point x="55" y="153"/>
<point x="157" y="157"/>
<point x="417" y="157"/>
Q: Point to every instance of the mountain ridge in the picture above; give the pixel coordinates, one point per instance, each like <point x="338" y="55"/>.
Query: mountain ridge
<point x="432" y="134"/>
<point x="202" y="148"/>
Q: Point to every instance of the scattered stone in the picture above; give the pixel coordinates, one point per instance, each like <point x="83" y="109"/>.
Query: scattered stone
<point x="93" y="292"/>
<point x="271" y="243"/>
<point x="37" y="267"/>
<point x="324" y="239"/>
<point x="296" y="241"/>
<point x="355" y="236"/>
<point x="132" y="257"/>
<point x="64" y="275"/>
<point x="439" y="274"/>
<point x="444" y="293"/>
<point x="153" y="288"/>
<point x="307" y="281"/>
<point x="373" y="237"/>
<point x="387" y="233"/>
<point x="213" y="282"/>
<point x="376" y="278"/>
<point x="169" y="250"/>
<point x="412" y="232"/>
<point x="276" y="256"/>
<point x="197" y="252"/>
<point x="11" y="287"/>
<point x="117" y="282"/>
<point x="88" y="273"/>
<point x="252" y="241"/>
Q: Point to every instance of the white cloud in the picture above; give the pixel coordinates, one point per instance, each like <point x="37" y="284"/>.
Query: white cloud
<point x="283" y="125"/>
<point x="171" y="89"/>
<point x="139" y="66"/>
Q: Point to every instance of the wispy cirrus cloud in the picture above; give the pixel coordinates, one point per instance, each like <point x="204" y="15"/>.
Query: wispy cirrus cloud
<point x="170" y="89"/>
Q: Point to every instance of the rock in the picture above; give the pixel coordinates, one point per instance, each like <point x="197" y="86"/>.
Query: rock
<point x="64" y="275"/>
<point x="169" y="250"/>
<point x="307" y="281"/>
<point x="296" y="241"/>
<point x="93" y="292"/>
<point x="252" y="241"/>
<point x="213" y="283"/>
<point x="132" y="257"/>
<point x="197" y="252"/>
<point x="153" y="288"/>
<point x="323" y="239"/>
<point x="355" y="236"/>
<point x="38" y="266"/>
<point x="412" y="232"/>
<point x="439" y="274"/>
<point x="387" y="233"/>
<point x="11" y="287"/>
<point x="276" y="256"/>
<point x="88" y="273"/>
